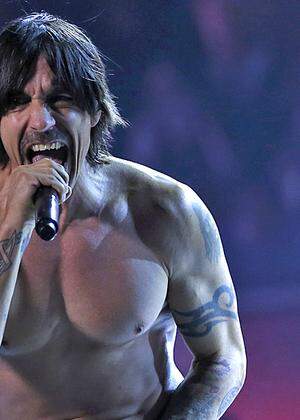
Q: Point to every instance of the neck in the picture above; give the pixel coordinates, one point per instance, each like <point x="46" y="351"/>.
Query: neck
<point x="88" y="195"/>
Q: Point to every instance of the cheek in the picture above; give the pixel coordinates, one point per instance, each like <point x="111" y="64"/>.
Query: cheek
<point x="81" y="129"/>
<point x="8" y="134"/>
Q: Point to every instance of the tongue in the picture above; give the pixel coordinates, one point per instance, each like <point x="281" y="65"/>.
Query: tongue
<point x="36" y="158"/>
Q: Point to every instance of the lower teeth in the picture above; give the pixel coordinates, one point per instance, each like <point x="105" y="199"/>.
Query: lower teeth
<point x="40" y="157"/>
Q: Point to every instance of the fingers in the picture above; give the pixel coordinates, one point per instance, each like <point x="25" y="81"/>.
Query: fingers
<point x="64" y="180"/>
<point x="69" y="193"/>
<point x="20" y="186"/>
<point x="66" y="195"/>
<point x="53" y="174"/>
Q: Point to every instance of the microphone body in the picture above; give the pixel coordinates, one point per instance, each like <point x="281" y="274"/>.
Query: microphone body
<point x="47" y="212"/>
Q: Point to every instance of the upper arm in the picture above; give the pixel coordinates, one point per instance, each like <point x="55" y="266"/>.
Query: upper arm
<point x="201" y="294"/>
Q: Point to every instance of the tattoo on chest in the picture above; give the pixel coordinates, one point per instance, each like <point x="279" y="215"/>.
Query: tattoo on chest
<point x="7" y="247"/>
<point x="201" y="320"/>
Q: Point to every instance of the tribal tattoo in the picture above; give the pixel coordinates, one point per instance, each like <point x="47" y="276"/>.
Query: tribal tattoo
<point x="211" y="237"/>
<point x="201" y="320"/>
<point x="7" y="247"/>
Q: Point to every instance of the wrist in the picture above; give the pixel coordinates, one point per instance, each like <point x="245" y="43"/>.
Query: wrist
<point x="12" y="224"/>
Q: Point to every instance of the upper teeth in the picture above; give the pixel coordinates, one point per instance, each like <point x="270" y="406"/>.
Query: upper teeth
<point x="38" y="147"/>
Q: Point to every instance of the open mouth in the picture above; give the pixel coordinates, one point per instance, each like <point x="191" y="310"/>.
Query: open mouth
<point x="60" y="155"/>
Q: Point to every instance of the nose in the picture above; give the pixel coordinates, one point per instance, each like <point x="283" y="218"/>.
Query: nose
<point x="41" y="118"/>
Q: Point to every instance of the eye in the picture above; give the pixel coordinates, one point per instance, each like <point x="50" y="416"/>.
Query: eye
<point x="17" y="102"/>
<point x="61" y="101"/>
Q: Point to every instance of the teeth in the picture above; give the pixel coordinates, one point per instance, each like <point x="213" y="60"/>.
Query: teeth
<point x="50" y="146"/>
<point x="58" y="145"/>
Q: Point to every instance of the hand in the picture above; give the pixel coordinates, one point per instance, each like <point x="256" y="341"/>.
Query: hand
<point x="22" y="183"/>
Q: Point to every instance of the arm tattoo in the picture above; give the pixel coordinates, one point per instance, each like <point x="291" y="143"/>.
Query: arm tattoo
<point x="210" y="235"/>
<point x="204" y="409"/>
<point x="204" y="318"/>
<point x="211" y="371"/>
<point x="228" y="399"/>
<point x="7" y="247"/>
<point x="193" y="402"/>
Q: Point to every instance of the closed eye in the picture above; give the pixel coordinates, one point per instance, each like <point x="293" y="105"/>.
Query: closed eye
<point x="17" y="101"/>
<point x="60" y="100"/>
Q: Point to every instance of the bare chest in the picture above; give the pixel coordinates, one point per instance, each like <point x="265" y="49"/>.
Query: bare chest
<point x="102" y="281"/>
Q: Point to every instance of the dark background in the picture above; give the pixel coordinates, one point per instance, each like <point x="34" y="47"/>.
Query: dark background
<point x="211" y="90"/>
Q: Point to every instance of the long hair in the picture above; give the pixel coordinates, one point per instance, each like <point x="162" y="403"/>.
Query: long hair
<point x="76" y="63"/>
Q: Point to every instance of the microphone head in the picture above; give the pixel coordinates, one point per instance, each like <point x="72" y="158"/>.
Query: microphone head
<point x="47" y="212"/>
<point x="46" y="230"/>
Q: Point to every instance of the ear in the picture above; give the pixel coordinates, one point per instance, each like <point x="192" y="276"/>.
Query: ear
<point x="95" y="118"/>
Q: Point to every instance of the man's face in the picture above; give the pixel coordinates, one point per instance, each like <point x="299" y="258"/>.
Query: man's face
<point x="45" y="113"/>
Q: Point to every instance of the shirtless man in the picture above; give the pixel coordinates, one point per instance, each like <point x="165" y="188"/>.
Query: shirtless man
<point x="88" y="320"/>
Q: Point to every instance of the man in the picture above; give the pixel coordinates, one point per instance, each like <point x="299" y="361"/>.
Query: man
<point x="88" y="320"/>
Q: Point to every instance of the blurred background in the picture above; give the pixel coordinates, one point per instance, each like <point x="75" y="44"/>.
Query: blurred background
<point x="211" y="90"/>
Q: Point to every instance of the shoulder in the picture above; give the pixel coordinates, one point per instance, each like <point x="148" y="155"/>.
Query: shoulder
<point x="168" y="215"/>
<point x="149" y="188"/>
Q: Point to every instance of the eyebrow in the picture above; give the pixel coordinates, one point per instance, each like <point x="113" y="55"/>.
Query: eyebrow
<point x="54" y="90"/>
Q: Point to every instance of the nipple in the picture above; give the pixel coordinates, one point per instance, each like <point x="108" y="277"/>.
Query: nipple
<point x="139" y="328"/>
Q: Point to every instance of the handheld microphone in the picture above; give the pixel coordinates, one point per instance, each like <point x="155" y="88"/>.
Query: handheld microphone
<point x="47" y="212"/>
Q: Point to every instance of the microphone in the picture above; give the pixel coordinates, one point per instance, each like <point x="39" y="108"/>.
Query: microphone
<point x="47" y="212"/>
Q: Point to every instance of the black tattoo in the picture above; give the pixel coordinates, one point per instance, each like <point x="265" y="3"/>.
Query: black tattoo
<point x="209" y="371"/>
<point x="205" y="408"/>
<point x="204" y="318"/>
<point x="210" y="234"/>
<point x="181" y="408"/>
<point x="193" y="401"/>
<point x="227" y="400"/>
<point x="218" y="367"/>
<point x="7" y="247"/>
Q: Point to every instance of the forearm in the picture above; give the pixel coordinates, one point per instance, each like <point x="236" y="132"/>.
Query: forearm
<point x="207" y="391"/>
<point x="13" y="241"/>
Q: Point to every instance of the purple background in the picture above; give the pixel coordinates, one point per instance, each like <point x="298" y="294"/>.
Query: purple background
<point x="211" y="90"/>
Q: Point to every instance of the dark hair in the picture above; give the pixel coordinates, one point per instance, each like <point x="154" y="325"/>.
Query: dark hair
<point x="76" y="63"/>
